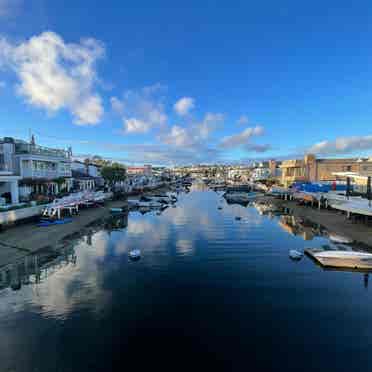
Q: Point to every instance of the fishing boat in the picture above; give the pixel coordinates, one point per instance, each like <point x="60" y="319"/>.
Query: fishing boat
<point x="341" y="259"/>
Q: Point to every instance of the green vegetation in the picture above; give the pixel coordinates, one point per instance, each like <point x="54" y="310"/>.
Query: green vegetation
<point x="113" y="173"/>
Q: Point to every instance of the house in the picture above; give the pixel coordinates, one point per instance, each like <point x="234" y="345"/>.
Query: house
<point x="311" y="169"/>
<point x="9" y="188"/>
<point x="86" y="175"/>
<point x="146" y="170"/>
<point x="38" y="170"/>
<point x="83" y="181"/>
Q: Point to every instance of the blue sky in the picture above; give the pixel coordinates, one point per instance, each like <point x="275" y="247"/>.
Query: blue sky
<point x="203" y="81"/>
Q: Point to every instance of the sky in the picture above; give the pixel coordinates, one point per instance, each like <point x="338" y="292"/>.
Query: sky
<point x="173" y="83"/>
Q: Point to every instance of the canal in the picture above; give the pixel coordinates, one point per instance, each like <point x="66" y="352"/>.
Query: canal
<point x="209" y="290"/>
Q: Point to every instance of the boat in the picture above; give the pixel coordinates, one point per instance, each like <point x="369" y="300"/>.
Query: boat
<point x="116" y="210"/>
<point x="46" y="223"/>
<point x="295" y="255"/>
<point x="340" y="239"/>
<point x="144" y="204"/>
<point x="341" y="259"/>
<point x="135" y="254"/>
<point x="240" y="197"/>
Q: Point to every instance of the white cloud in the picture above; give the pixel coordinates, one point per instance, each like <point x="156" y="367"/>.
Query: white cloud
<point x="117" y="105"/>
<point x="209" y="123"/>
<point x="257" y="147"/>
<point x="194" y="135"/>
<point x="342" y="145"/>
<point x="179" y="137"/>
<point x="243" y="120"/>
<point x="55" y="75"/>
<point x="241" y="138"/>
<point x="134" y="125"/>
<point x="184" y="105"/>
<point x="141" y="110"/>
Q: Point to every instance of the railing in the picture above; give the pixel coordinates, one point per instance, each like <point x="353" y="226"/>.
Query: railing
<point x="50" y="174"/>
<point x="25" y="148"/>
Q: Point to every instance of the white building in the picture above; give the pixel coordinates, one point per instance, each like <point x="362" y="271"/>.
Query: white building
<point x="86" y="175"/>
<point x="260" y="174"/>
<point x="37" y="169"/>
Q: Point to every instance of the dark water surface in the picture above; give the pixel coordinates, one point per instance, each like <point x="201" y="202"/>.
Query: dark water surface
<point x="208" y="290"/>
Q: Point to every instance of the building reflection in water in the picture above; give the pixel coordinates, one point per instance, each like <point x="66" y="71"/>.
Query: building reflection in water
<point x="299" y="227"/>
<point x="34" y="268"/>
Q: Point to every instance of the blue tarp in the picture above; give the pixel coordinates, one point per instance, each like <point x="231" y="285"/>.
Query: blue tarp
<point x="318" y="187"/>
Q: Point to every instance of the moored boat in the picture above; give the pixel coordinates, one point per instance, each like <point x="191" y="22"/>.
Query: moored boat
<point x="341" y="259"/>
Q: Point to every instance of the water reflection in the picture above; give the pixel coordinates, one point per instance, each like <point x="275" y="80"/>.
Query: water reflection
<point x="199" y="265"/>
<point x="35" y="268"/>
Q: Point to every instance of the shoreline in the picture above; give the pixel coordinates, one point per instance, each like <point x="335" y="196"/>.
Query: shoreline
<point x="335" y="222"/>
<point x="25" y="238"/>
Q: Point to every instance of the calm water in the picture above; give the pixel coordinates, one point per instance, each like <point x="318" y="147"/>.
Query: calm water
<point x="209" y="289"/>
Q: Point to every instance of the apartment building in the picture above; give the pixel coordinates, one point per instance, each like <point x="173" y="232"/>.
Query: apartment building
<point x="311" y="169"/>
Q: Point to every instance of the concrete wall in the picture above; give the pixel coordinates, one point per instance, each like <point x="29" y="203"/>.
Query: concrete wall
<point x="19" y="214"/>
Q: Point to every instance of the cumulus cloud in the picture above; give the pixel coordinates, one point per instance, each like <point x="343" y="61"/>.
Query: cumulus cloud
<point x="194" y="135"/>
<point x="179" y="137"/>
<point x="141" y="110"/>
<point x="134" y="125"/>
<point x="342" y="145"/>
<point x="241" y="138"/>
<point x="56" y="75"/>
<point x="184" y="105"/>
<point x="243" y="120"/>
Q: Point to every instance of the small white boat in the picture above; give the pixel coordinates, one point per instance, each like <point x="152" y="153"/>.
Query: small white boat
<point x="345" y="259"/>
<point x="240" y="197"/>
<point x="135" y="254"/>
<point x="116" y="210"/>
<point x="295" y="255"/>
<point x="340" y="239"/>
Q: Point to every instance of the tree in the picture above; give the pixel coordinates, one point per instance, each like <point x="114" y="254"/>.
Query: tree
<point x="113" y="173"/>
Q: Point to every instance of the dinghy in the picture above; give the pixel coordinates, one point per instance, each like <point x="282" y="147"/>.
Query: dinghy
<point x="135" y="254"/>
<point x="295" y="255"/>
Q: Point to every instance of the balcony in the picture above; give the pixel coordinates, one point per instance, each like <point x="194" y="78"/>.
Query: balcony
<point x="46" y="174"/>
<point x="28" y="149"/>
